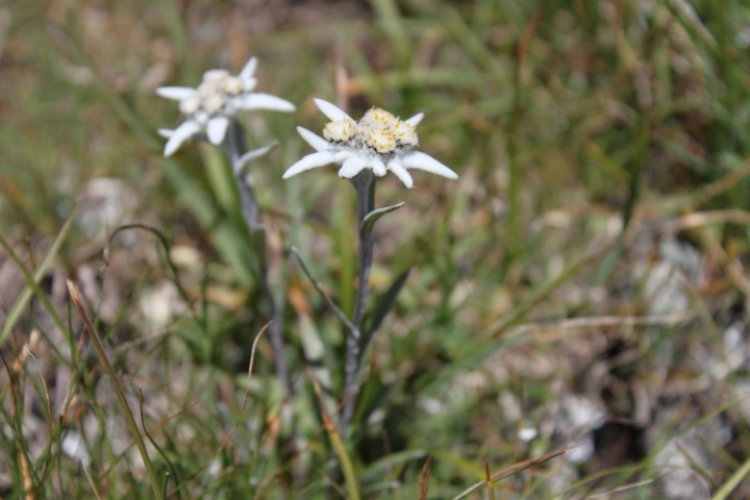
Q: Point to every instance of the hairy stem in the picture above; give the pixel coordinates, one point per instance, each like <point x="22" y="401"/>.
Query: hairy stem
<point x="364" y="183"/>
<point x="235" y="148"/>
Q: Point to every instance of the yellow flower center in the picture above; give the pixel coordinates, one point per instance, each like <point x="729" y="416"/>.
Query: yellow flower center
<point x="339" y="130"/>
<point x="384" y="132"/>
<point x="381" y="140"/>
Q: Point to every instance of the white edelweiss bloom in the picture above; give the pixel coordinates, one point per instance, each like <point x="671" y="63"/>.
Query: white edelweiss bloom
<point x="380" y="141"/>
<point x="210" y="108"/>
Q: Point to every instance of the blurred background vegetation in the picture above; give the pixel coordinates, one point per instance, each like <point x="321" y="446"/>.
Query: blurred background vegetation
<point x="582" y="287"/>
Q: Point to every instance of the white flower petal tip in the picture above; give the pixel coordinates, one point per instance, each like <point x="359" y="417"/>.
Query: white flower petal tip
<point x="422" y="161"/>
<point x="180" y="135"/>
<point x="249" y="70"/>
<point x="266" y="101"/>
<point x="165" y="132"/>
<point x="378" y="167"/>
<point x="352" y="167"/>
<point x="217" y="129"/>
<point x="332" y="111"/>
<point x="403" y="175"/>
<point x="313" y="139"/>
<point x="415" y="120"/>
<point x="307" y="162"/>
<point x="175" y="93"/>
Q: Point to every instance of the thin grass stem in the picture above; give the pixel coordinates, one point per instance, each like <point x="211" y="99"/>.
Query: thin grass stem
<point x="130" y="420"/>
<point x="734" y="481"/>
<point x="350" y="478"/>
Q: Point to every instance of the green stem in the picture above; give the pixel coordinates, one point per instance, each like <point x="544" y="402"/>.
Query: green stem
<point x="515" y="240"/>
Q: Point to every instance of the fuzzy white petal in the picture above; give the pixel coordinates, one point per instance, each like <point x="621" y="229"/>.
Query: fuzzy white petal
<point x="217" y="129"/>
<point x="249" y="84"/>
<point x="180" y="135"/>
<point x="313" y="139"/>
<point x="332" y="111"/>
<point x="378" y="167"/>
<point x="397" y="168"/>
<point x="352" y="167"/>
<point x="165" y="132"/>
<point x="175" y="93"/>
<point x="249" y="70"/>
<point x="265" y="101"/>
<point x="307" y="162"/>
<point x="343" y="155"/>
<point x="414" y="120"/>
<point x="427" y="163"/>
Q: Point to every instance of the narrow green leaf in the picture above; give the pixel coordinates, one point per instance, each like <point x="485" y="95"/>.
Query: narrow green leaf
<point x="344" y="223"/>
<point x="381" y="467"/>
<point x="220" y="178"/>
<point x="23" y="299"/>
<point x="229" y="236"/>
<point x="370" y="219"/>
<point x="243" y="164"/>
<point x="734" y="481"/>
<point x="387" y="302"/>
<point x="350" y="477"/>
<point x="373" y="396"/>
<point x="384" y="307"/>
<point x="40" y="294"/>
<point x="194" y="197"/>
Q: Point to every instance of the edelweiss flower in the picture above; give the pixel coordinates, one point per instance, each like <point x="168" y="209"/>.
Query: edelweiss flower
<point x="212" y="106"/>
<point x="379" y="141"/>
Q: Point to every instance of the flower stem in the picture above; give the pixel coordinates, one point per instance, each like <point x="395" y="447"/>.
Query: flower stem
<point x="364" y="184"/>
<point x="235" y="148"/>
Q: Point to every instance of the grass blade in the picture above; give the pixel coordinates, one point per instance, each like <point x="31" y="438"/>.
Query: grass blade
<point x="23" y="299"/>
<point x="385" y="305"/>
<point x="511" y="469"/>
<point x="48" y="307"/>
<point x="338" y="447"/>
<point x="76" y="298"/>
<point x="734" y="481"/>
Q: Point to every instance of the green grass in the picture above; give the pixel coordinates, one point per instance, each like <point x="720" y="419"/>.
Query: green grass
<point x="595" y="246"/>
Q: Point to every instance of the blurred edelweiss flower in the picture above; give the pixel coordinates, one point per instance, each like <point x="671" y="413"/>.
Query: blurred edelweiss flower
<point x="211" y="106"/>
<point x="379" y="141"/>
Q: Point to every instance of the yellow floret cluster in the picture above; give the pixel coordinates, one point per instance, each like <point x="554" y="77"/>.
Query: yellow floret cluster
<point x="339" y="130"/>
<point x="378" y="130"/>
